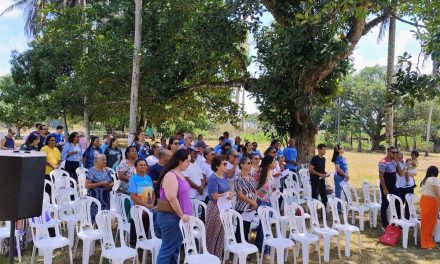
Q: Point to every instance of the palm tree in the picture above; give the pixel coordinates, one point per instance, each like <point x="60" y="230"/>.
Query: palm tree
<point x="390" y="73"/>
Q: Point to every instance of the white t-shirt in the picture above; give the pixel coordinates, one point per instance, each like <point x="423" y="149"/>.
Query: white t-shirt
<point x="194" y="173"/>
<point x="401" y="180"/>
<point x="206" y="169"/>
<point x="200" y="160"/>
<point x="151" y="160"/>
<point x="237" y="171"/>
<point x="428" y="187"/>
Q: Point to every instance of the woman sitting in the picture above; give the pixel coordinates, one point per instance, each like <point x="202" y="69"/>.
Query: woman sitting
<point x="99" y="183"/>
<point x="31" y="143"/>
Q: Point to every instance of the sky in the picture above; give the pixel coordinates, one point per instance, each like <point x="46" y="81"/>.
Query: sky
<point x="368" y="52"/>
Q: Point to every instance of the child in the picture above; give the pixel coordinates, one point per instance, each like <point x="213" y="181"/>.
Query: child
<point x="411" y="169"/>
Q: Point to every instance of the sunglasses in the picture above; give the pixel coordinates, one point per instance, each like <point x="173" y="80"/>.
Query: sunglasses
<point x="176" y="143"/>
<point x="394" y="152"/>
<point x="273" y="152"/>
<point x="248" y="163"/>
<point x="224" y="163"/>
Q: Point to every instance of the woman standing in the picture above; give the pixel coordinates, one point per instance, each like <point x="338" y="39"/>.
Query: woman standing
<point x="113" y="153"/>
<point x="429" y="205"/>
<point x="91" y="152"/>
<point x="126" y="168"/>
<point x="173" y="145"/>
<point x="99" y="183"/>
<point x="31" y="143"/>
<point x="245" y="188"/>
<point x="217" y="187"/>
<point x="72" y="154"/>
<point x="143" y="150"/>
<point x="174" y="195"/>
<point x="53" y="158"/>
<point x="265" y="187"/>
<point x="341" y="169"/>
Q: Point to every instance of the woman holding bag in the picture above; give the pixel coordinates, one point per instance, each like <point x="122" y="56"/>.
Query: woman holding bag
<point x="173" y="204"/>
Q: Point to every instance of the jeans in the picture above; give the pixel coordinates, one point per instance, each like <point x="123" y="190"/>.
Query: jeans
<point x="318" y="189"/>
<point x="171" y="237"/>
<point x="402" y="193"/>
<point x="338" y="189"/>
<point x="260" y="235"/>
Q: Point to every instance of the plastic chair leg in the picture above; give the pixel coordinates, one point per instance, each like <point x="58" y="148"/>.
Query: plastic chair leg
<point x="405" y="237"/>
<point x="33" y="255"/>
<point x="375" y="212"/>
<point x="145" y="256"/>
<point x="86" y="251"/>
<point x="327" y="240"/>
<point x="361" y="220"/>
<point x="17" y="243"/>
<point x="48" y="254"/>
<point x="280" y="255"/>
<point x="347" y="243"/>
<point x="305" y="252"/>
<point x="70" y="255"/>
<point x="71" y="232"/>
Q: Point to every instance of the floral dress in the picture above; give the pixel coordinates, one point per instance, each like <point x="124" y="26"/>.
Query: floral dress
<point x="129" y="171"/>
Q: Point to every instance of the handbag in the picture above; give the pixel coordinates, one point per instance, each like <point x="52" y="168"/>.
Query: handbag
<point x="164" y="206"/>
<point x="391" y="236"/>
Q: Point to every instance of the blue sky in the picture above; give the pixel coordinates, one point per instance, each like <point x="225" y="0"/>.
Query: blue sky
<point x="369" y="51"/>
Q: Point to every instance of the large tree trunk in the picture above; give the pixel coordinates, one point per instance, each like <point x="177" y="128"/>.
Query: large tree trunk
<point x="136" y="70"/>
<point x="414" y="142"/>
<point x="390" y="74"/>
<point x="375" y="140"/>
<point x="304" y="132"/>
<point x="436" y="146"/>
<point x="431" y="105"/>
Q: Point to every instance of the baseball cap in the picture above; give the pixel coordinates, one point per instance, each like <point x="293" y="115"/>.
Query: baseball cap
<point x="201" y="144"/>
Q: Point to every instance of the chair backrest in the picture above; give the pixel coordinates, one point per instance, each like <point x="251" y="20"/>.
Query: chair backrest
<point x="268" y="216"/>
<point x="292" y="195"/>
<point x="65" y="180"/>
<point x="347" y="189"/>
<point x="189" y="241"/>
<point x="83" y="208"/>
<point x="80" y="171"/>
<point x="290" y="182"/>
<point x="290" y="211"/>
<point x="274" y="198"/>
<point x="63" y="199"/>
<point x="40" y="224"/>
<point x="410" y="200"/>
<point x="377" y="192"/>
<point x="120" y="205"/>
<point x="314" y="205"/>
<point x="113" y="174"/>
<point x="57" y="173"/>
<point x="136" y="213"/>
<point x="104" y="220"/>
<point x="392" y="206"/>
<point x="334" y="201"/>
<point x="229" y="218"/>
<point x="82" y="184"/>
<point x="366" y="192"/>
<point x="113" y="193"/>
<point x="196" y="206"/>
<point x="52" y="189"/>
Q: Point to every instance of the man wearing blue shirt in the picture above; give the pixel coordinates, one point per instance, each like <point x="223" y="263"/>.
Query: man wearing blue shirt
<point x="106" y="142"/>
<point x="59" y="137"/>
<point x="291" y="156"/>
<point x="255" y="151"/>
<point x="221" y="142"/>
<point x="227" y="139"/>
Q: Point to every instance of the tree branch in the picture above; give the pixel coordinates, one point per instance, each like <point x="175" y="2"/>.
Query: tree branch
<point x="370" y="25"/>
<point x="408" y="22"/>
<point x="271" y="8"/>
<point x="220" y="84"/>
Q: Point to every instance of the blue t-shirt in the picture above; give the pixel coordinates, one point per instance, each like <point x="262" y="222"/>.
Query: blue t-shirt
<point x="155" y="171"/>
<point x="217" y="148"/>
<point x="257" y="152"/>
<point x="290" y="153"/>
<point x="217" y="185"/>
<point x="89" y="155"/>
<point x="103" y="147"/>
<point x="342" y="162"/>
<point x="142" y="187"/>
<point x="58" y="137"/>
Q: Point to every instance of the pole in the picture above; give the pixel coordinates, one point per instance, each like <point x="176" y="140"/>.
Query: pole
<point x="339" y="120"/>
<point x="11" y="242"/>
<point x="242" y="113"/>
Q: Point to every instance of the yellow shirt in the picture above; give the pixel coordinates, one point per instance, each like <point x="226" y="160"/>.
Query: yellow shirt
<point x="53" y="156"/>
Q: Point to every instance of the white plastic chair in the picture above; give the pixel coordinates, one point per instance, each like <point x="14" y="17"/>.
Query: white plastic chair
<point x="278" y="242"/>
<point x="304" y="175"/>
<point x="52" y="189"/>
<point x="40" y="234"/>
<point x="373" y="205"/>
<point x="113" y="194"/>
<point x="189" y="243"/>
<point x="355" y="206"/>
<point x="344" y="227"/>
<point x="146" y="243"/>
<point x="120" y="209"/>
<point x="292" y="199"/>
<point x="113" y="174"/>
<point x="5" y="229"/>
<point x="66" y="209"/>
<point x="410" y="200"/>
<point x="86" y="230"/>
<point x="117" y="255"/>
<point x="196" y="204"/>
<point x="241" y="250"/>
<point x="82" y="185"/>
<point x="299" y="234"/>
<point x="324" y="232"/>
<point x="65" y="181"/>
<point x="274" y="200"/>
<point x="402" y="222"/>
<point x="81" y="170"/>
<point x="57" y="173"/>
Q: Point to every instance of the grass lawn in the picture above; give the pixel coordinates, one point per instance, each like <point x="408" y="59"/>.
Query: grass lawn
<point x="362" y="167"/>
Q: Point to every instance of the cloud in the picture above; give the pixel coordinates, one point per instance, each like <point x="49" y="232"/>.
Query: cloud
<point x="4" y="4"/>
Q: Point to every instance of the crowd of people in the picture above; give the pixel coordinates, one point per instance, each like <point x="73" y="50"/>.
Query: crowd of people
<point x="166" y="175"/>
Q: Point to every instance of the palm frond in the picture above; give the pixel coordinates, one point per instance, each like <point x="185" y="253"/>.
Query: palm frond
<point x="17" y="5"/>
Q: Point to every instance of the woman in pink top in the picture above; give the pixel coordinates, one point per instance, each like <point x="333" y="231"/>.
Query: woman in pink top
<point x="175" y="189"/>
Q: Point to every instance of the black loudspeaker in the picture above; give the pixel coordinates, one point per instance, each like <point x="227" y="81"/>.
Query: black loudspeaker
<point x="21" y="184"/>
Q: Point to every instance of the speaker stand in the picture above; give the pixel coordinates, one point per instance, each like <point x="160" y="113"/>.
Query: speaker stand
<point x="11" y="242"/>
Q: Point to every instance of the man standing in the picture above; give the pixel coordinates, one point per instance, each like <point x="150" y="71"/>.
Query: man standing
<point x="187" y="141"/>
<point x="156" y="169"/>
<point x="194" y="176"/>
<point x="255" y="151"/>
<point x="200" y="148"/>
<point x="154" y="158"/>
<point x="221" y="142"/>
<point x="59" y="137"/>
<point x="106" y="142"/>
<point x="44" y="132"/>
<point x="291" y="156"/>
<point x="8" y="141"/>
<point x="318" y="175"/>
<point x="227" y="139"/>
<point x="388" y="167"/>
<point x="232" y="168"/>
